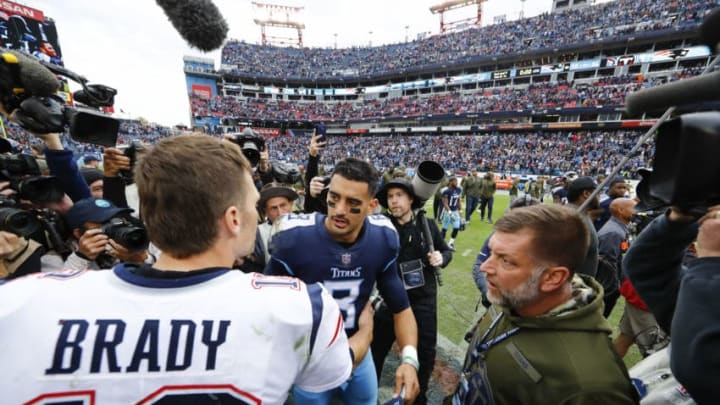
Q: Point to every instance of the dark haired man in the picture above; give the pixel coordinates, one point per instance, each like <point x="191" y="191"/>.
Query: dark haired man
<point x="544" y="340"/>
<point x="349" y="250"/>
<point x="416" y="271"/>
<point x="616" y="189"/>
<point x="187" y="329"/>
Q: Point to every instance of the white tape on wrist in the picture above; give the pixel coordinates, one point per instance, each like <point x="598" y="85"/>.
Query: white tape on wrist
<point x="410" y="356"/>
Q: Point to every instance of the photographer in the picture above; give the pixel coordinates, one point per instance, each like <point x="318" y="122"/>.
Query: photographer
<point x="416" y="269"/>
<point x="256" y="151"/>
<point x="88" y="220"/>
<point x="683" y="300"/>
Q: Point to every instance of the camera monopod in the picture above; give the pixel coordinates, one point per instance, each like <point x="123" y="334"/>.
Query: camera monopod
<point x="426" y="182"/>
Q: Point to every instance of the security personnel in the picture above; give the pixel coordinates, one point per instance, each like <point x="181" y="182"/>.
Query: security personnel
<point x="415" y="264"/>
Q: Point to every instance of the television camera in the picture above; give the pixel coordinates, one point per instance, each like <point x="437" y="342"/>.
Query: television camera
<point x="28" y="88"/>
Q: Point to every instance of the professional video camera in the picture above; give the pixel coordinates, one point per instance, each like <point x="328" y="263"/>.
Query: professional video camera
<point x="686" y="170"/>
<point x="23" y="173"/>
<point x="28" y="89"/>
<point x="42" y="225"/>
<point x="252" y="144"/>
<point x="132" y="236"/>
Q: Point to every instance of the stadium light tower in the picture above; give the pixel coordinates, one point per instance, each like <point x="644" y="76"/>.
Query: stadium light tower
<point x="271" y="15"/>
<point x="459" y="24"/>
<point x="522" y="10"/>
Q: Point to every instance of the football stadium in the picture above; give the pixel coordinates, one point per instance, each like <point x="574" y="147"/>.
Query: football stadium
<point x="516" y="211"/>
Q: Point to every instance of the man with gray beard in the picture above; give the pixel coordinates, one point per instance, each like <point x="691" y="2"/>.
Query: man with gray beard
<point x="544" y="340"/>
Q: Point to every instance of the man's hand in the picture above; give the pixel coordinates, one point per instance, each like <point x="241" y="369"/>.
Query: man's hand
<point x="115" y="160"/>
<point x="92" y="243"/>
<point x="406" y="375"/>
<point x="435" y="258"/>
<point x="360" y="341"/>
<point x="5" y="189"/>
<point x="708" y="240"/>
<point x="315" y="146"/>
<point x="121" y="253"/>
<point x="11" y="244"/>
<point x="316" y="186"/>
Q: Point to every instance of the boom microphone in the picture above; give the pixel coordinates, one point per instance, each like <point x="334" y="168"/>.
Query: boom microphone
<point x="687" y="91"/>
<point x="198" y="21"/>
<point x="34" y="78"/>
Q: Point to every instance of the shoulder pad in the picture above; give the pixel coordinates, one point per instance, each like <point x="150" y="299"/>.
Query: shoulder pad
<point x="290" y="221"/>
<point x="387" y="229"/>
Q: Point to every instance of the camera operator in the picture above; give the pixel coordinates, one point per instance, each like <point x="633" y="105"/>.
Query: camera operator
<point x="256" y="151"/>
<point x="683" y="300"/>
<point x="95" y="249"/>
<point x="416" y="270"/>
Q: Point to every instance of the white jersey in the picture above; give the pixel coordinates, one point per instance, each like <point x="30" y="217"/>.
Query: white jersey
<point x="114" y="337"/>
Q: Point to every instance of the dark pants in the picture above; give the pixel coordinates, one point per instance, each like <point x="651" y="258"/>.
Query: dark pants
<point x="470" y="204"/>
<point x="425" y="311"/>
<point x="437" y="208"/>
<point x="486" y="202"/>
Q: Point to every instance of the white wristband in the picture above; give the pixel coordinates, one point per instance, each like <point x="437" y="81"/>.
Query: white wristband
<point x="410" y="356"/>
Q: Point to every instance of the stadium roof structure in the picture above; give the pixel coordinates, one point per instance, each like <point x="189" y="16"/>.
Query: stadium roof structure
<point x="459" y="24"/>
<point x="271" y="19"/>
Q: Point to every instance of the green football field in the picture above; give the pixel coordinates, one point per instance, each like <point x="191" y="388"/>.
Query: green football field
<point x="458" y="297"/>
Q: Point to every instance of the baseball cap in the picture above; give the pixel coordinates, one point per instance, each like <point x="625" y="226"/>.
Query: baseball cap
<point x="583" y="183"/>
<point x="92" y="210"/>
<point x="90" y="158"/>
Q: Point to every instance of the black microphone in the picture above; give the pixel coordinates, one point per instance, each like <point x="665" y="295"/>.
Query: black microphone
<point x="710" y="29"/>
<point x="198" y="21"/>
<point x="34" y="78"/>
<point x="687" y="91"/>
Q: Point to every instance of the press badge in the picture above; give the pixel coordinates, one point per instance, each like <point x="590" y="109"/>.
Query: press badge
<point x="412" y="274"/>
<point x="474" y="388"/>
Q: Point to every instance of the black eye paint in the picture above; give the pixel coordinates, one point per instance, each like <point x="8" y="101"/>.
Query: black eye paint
<point x="355" y="210"/>
<point x="331" y="204"/>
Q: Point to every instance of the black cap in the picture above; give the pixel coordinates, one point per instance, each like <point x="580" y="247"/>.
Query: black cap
<point x="398" y="182"/>
<point x="582" y="184"/>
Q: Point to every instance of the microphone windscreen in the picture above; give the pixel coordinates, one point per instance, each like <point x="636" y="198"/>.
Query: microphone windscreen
<point x="198" y="21"/>
<point x="687" y="91"/>
<point x="36" y="78"/>
<point x="710" y="29"/>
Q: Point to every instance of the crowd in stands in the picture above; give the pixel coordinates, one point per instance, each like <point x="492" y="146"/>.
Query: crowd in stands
<point x="540" y="153"/>
<point x="130" y="130"/>
<point x="609" y="20"/>
<point x="606" y="91"/>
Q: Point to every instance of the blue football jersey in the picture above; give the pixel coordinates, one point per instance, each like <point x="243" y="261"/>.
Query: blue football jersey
<point x="453" y="196"/>
<point x="303" y="248"/>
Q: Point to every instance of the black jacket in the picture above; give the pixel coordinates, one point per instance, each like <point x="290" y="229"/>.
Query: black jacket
<point x="413" y="246"/>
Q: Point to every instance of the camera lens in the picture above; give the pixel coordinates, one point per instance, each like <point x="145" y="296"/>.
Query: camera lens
<point x="251" y="152"/>
<point x="19" y="222"/>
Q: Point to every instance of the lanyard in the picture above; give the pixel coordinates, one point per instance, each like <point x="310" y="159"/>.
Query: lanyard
<point x="482" y="346"/>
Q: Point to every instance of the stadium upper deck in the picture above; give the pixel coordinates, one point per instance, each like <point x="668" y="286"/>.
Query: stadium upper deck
<point x="572" y="29"/>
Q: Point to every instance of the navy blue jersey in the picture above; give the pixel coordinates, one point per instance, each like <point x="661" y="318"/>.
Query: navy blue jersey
<point x="453" y="197"/>
<point x="303" y="248"/>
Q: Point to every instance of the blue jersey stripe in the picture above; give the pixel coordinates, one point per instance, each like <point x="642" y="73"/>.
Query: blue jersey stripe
<point x="316" y="302"/>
